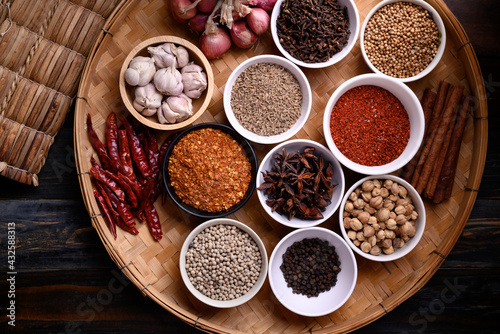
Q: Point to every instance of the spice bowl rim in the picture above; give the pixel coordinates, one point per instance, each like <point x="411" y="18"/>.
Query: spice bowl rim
<point x="439" y="23"/>
<point x="306" y="98"/>
<point x="352" y="9"/>
<point x="419" y="223"/>
<point x="199" y="105"/>
<point x="226" y="303"/>
<point x="338" y="178"/>
<point x="327" y="301"/>
<point x="412" y="106"/>
<point x="250" y="153"/>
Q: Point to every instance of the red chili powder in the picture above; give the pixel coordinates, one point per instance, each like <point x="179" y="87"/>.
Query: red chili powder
<point x="370" y="126"/>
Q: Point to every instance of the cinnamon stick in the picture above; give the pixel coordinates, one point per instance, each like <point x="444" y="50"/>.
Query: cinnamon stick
<point x="447" y="176"/>
<point x="428" y="101"/>
<point x="430" y="188"/>
<point x="437" y="143"/>
<point x="442" y="95"/>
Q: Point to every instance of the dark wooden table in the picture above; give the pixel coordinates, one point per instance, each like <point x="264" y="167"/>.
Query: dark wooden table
<point x="67" y="283"/>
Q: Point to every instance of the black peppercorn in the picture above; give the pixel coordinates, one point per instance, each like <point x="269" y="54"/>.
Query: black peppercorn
<point x="315" y="267"/>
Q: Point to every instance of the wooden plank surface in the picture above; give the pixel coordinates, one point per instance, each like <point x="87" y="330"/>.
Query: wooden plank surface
<point x="66" y="282"/>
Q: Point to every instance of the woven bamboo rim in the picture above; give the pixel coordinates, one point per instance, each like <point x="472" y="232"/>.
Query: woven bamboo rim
<point x="153" y="266"/>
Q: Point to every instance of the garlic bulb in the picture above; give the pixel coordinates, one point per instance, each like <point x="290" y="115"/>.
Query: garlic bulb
<point x="194" y="80"/>
<point x="140" y="71"/>
<point x="175" y="109"/>
<point x="181" y="54"/>
<point x="162" y="54"/>
<point x="147" y="100"/>
<point x="168" y="81"/>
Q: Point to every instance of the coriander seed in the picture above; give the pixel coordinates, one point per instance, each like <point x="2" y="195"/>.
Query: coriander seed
<point x="401" y="39"/>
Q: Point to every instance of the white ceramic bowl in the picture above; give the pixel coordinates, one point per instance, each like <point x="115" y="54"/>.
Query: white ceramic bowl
<point x="294" y="146"/>
<point x="228" y="303"/>
<point x="409" y="101"/>
<point x="306" y="99"/>
<point x="352" y="12"/>
<point x="440" y="25"/>
<point x="419" y="223"/>
<point x="325" y="302"/>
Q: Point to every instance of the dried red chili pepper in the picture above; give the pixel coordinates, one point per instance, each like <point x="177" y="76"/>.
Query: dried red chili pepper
<point x="136" y="187"/>
<point x="128" y="228"/>
<point x="157" y="191"/>
<point x="121" y="207"/>
<point x="153" y="221"/>
<point x="100" y="188"/>
<point x="112" y="142"/>
<point x="98" y="173"/>
<point x="152" y="152"/>
<point x="96" y="143"/>
<point x="125" y="159"/>
<point x="109" y="218"/>
<point x="136" y="150"/>
<point x="164" y="147"/>
<point x="130" y="195"/>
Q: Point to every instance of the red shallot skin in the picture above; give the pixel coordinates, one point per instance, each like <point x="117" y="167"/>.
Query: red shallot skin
<point x="242" y="35"/>
<point x="215" y="45"/>
<point x="258" y="20"/>
<point x="177" y="8"/>
<point x="267" y="5"/>
<point x="197" y="23"/>
<point x="207" y="6"/>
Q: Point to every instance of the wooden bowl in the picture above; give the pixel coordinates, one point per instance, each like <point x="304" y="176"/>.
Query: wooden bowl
<point x="195" y="55"/>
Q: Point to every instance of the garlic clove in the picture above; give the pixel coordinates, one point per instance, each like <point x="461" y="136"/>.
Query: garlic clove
<point x="182" y="105"/>
<point x="167" y="114"/>
<point x="162" y="55"/>
<point x="181" y="54"/>
<point x="147" y="99"/>
<point x="161" y="117"/>
<point x="168" y="81"/>
<point x="140" y="71"/>
<point x="194" y="80"/>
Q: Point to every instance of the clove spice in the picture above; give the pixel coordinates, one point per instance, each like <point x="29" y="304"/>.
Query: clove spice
<point x="313" y="31"/>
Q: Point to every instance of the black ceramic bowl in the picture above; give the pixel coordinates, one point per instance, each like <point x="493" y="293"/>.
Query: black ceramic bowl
<point x="251" y="158"/>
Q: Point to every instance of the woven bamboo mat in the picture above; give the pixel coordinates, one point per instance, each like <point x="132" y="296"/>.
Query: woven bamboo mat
<point x="43" y="48"/>
<point x="153" y="266"/>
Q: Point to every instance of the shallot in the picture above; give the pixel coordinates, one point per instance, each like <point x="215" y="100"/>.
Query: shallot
<point x="215" y="41"/>
<point x="267" y="5"/>
<point x="207" y="6"/>
<point x="198" y="22"/>
<point x="182" y="10"/>
<point x="238" y="21"/>
<point x="258" y="20"/>
<point x="242" y="35"/>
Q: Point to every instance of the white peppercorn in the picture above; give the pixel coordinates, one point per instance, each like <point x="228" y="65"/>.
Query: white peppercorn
<point x="223" y="262"/>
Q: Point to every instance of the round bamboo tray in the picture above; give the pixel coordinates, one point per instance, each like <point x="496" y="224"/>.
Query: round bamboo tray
<point x="154" y="266"/>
